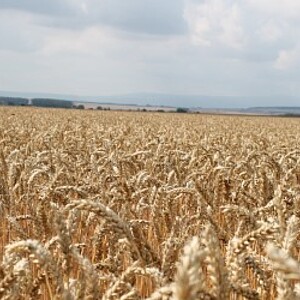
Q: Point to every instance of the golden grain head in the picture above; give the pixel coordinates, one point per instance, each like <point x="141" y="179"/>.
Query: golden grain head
<point x="125" y="205"/>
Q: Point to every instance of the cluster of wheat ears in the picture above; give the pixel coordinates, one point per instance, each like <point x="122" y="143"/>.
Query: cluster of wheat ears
<point x="120" y="205"/>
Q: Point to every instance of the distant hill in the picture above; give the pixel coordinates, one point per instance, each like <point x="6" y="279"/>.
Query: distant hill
<point x="236" y="104"/>
<point x="275" y="110"/>
<point x="142" y="99"/>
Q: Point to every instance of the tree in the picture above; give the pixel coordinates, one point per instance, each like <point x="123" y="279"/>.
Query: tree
<point x="182" y="110"/>
<point x="44" y="102"/>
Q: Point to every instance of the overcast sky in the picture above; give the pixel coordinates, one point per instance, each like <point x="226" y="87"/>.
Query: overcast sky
<point x="186" y="47"/>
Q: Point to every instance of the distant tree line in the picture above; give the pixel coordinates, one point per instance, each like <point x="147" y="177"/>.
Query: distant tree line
<point x="40" y="102"/>
<point x="44" y="102"/>
<point x="290" y="115"/>
<point x="58" y="103"/>
<point x="14" y="101"/>
<point x="103" y="108"/>
<point x="80" y="106"/>
<point x="182" y="110"/>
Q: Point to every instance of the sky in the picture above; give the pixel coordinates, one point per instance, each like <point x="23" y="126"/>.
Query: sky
<point x="246" y="49"/>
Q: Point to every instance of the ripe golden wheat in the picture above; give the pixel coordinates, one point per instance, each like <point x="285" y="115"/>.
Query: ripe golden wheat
<point x="120" y="205"/>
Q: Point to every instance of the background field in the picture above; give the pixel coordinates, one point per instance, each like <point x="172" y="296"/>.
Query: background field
<point x="120" y="205"/>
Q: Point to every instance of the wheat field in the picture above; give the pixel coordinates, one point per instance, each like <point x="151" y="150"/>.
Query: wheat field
<point x="120" y="205"/>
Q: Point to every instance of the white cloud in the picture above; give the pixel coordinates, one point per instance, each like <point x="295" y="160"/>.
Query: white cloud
<point x="215" y="21"/>
<point x="276" y="8"/>
<point x="271" y="31"/>
<point x="86" y="41"/>
<point x="84" y="8"/>
<point x="19" y="33"/>
<point x="232" y="31"/>
<point x="287" y="59"/>
<point x="224" y="47"/>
